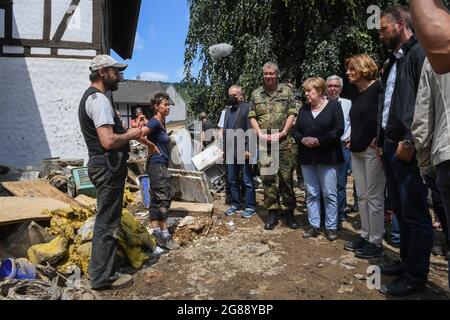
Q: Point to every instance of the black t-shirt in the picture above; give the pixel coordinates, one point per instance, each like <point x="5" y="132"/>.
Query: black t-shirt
<point x="364" y="117"/>
<point x="207" y="125"/>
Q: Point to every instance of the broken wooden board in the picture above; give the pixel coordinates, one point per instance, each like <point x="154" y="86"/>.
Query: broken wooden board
<point x="22" y="209"/>
<point x="190" y="186"/>
<point x="85" y="200"/>
<point x="192" y="209"/>
<point x="39" y="188"/>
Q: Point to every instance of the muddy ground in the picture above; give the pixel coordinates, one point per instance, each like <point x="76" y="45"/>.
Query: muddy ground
<point x="246" y="262"/>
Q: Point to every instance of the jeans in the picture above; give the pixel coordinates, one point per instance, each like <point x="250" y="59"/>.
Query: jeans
<point x="408" y="197"/>
<point x="110" y="188"/>
<point x="233" y="172"/>
<point x="342" y="173"/>
<point x="321" y="180"/>
<point x="443" y="184"/>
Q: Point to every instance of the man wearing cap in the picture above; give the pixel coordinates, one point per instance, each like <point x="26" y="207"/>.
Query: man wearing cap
<point x="108" y="146"/>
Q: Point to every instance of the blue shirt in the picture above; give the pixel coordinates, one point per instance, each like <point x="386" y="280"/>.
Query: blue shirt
<point x="160" y="138"/>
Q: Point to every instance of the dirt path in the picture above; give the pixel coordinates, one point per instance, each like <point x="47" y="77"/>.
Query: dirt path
<point x="251" y="263"/>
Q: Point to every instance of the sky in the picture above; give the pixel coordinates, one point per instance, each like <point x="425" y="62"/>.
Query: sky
<point x="159" y="45"/>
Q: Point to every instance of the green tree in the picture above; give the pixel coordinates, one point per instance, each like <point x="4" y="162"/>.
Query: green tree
<point x="306" y="38"/>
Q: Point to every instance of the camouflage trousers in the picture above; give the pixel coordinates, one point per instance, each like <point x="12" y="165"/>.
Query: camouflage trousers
<point x="278" y="181"/>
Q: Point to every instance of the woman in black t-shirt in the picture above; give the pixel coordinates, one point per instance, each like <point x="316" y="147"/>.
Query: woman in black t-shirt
<point x="362" y="71"/>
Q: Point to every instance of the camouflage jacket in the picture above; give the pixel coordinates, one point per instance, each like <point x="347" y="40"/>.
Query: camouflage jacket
<point x="272" y="111"/>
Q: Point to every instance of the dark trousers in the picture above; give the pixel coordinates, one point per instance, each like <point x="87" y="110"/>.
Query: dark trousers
<point x="110" y="188"/>
<point x="160" y="178"/>
<point x="233" y="173"/>
<point x="443" y="184"/>
<point x="438" y="204"/>
<point x="342" y="183"/>
<point x="408" y="197"/>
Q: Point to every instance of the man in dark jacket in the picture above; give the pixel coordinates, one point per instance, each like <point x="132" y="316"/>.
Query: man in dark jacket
<point x="237" y="153"/>
<point x="407" y="192"/>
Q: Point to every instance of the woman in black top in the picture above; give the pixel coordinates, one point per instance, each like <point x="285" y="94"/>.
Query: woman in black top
<point x="317" y="131"/>
<point x="367" y="169"/>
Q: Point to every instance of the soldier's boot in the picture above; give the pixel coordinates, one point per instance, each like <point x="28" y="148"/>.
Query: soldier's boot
<point x="272" y="221"/>
<point x="290" y="219"/>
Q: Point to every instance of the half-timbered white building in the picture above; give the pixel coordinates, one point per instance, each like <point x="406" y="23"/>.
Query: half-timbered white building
<point x="45" y="50"/>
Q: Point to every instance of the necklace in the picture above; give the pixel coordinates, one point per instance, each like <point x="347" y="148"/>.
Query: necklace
<point x="319" y="106"/>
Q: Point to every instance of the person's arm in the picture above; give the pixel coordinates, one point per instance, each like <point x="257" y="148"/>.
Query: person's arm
<point x="144" y="140"/>
<point x="422" y="128"/>
<point x="298" y="136"/>
<point x="110" y="140"/>
<point x="432" y="25"/>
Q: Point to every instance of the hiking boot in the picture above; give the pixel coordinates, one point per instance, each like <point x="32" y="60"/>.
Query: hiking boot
<point x="355" y="244"/>
<point x="401" y="287"/>
<point x="369" y="251"/>
<point x="438" y="250"/>
<point x="272" y="221"/>
<point x="311" y="233"/>
<point x="395" y="269"/>
<point x="231" y="211"/>
<point x="170" y="244"/>
<point x="332" y="235"/>
<point x="248" y="213"/>
<point x="290" y="219"/>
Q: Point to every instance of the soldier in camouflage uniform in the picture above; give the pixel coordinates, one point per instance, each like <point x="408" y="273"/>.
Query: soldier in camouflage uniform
<point x="272" y="115"/>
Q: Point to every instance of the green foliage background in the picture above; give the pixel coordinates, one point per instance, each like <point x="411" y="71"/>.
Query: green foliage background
<point x="305" y="37"/>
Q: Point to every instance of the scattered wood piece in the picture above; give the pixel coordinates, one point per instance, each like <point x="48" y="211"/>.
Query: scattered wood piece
<point x="191" y="208"/>
<point x="22" y="209"/>
<point x="38" y="188"/>
<point x="85" y="200"/>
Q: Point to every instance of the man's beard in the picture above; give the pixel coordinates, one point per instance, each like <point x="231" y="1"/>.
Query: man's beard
<point x="110" y="84"/>
<point x="393" y="43"/>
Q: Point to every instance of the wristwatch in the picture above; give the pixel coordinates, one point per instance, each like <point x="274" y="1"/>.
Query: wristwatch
<point x="408" y="144"/>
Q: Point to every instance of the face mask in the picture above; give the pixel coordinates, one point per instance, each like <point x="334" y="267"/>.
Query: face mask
<point x="232" y="101"/>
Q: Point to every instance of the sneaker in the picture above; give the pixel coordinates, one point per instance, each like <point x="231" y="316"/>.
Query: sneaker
<point x="248" y="213"/>
<point x="401" y="287"/>
<point x="369" y="251"/>
<point x="171" y="244"/>
<point x="118" y="281"/>
<point x="311" y="233"/>
<point x="159" y="238"/>
<point x="332" y="235"/>
<point x="355" y="244"/>
<point x="231" y="212"/>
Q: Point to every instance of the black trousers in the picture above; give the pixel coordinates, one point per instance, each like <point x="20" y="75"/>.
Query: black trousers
<point x="443" y="184"/>
<point x="408" y="197"/>
<point x="438" y="204"/>
<point x="160" y="179"/>
<point x="110" y="188"/>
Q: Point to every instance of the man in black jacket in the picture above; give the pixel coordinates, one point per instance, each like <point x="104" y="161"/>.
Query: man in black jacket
<point x="237" y="153"/>
<point x="407" y="192"/>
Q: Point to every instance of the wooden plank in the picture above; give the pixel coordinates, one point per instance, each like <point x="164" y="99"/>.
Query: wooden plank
<point x="189" y="208"/>
<point x="38" y="188"/>
<point x="22" y="209"/>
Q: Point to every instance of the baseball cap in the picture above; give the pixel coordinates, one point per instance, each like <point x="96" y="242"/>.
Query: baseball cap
<point x="105" y="61"/>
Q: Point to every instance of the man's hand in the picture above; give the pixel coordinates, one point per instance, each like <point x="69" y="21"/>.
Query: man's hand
<point x="405" y="153"/>
<point x="373" y="144"/>
<point x="134" y="133"/>
<point x="347" y="143"/>
<point x="248" y="155"/>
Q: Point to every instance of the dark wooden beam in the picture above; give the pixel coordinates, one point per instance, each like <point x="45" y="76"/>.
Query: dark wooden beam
<point x="47" y="19"/>
<point x="50" y="44"/>
<point x="98" y="7"/>
<point x="8" y="21"/>
<point x="64" y="22"/>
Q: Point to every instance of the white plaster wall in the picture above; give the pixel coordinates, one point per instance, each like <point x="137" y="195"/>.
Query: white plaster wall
<point x="178" y="111"/>
<point x="39" y="100"/>
<point x="79" y="27"/>
<point x="59" y="8"/>
<point x="28" y="19"/>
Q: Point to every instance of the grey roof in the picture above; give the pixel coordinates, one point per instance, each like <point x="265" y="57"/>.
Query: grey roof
<point x="137" y="92"/>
